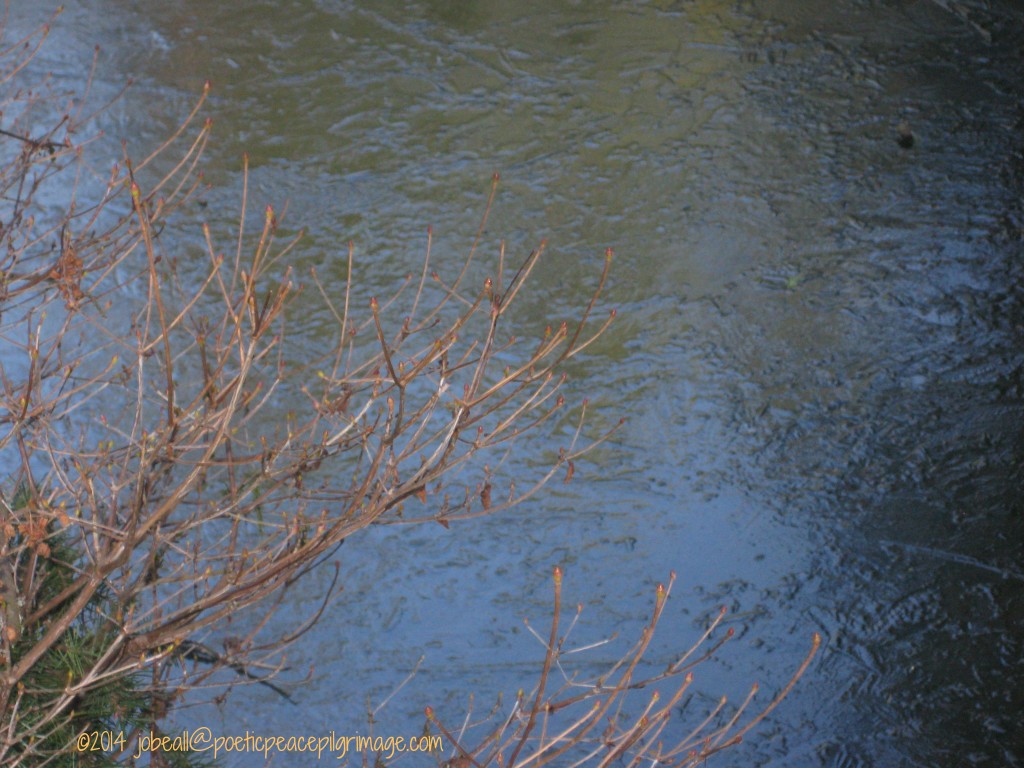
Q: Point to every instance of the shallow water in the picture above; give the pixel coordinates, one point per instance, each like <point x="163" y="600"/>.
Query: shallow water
<point x="819" y="350"/>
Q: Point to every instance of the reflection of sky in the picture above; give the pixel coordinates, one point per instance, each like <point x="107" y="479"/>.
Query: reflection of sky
<point x="815" y="351"/>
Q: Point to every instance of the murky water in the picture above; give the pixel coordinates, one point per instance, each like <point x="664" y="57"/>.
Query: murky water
<point x="820" y="350"/>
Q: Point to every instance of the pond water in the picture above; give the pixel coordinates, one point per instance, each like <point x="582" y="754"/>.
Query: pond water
<point x="819" y="350"/>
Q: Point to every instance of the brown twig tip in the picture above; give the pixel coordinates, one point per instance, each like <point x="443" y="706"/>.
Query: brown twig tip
<point x="496" y="177"/>
<point x="206" y="86"/>
<point x="730" y="632"/>
<point x="557" y="573"/>
<point x="429" y="712"/>
<point x="373" y="303"/>
<point x="609" y="254"/>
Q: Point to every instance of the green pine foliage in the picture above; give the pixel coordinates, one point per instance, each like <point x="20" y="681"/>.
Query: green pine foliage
<point x="104" y="719"/>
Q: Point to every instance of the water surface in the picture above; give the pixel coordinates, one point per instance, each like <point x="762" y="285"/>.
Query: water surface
<point x="819" y="350"/>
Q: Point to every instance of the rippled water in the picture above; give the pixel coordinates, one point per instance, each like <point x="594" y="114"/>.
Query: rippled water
<point x="819" y="351"/>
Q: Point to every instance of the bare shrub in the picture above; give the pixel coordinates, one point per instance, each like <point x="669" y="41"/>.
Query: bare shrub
<point x="173" y="464"/>
<point x="570" y="720"/>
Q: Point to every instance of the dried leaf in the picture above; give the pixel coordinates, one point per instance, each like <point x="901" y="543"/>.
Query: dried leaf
<point x="68" y="274"/>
